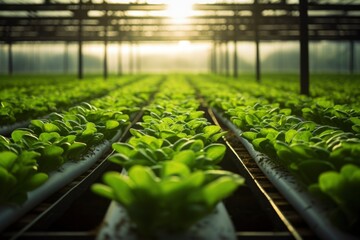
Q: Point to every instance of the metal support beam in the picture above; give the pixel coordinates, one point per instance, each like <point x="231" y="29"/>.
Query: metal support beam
<point x="227" y="64"/>
<point x="235" y="56"/>
<point x="131" y="58"/>
<point x="257" y="41"/>
<point x="352" y="57"/>
<point x="210" y="59"/>
<point x="80" y="54"/>
<point x="10" y="59"/>
<point x="304" y="48"/>
<point x="257" y="59"/>
<point x="235" y="60"/>
<point x="105" y="59"/>
<point x="119" y="60"/>
<point x="215" y="57"/>
<point x="66" y="57"/>
<point x="138" y="58"/>
<point x="105" y="51"/>
<point x="80" y="60"/>
<point x="221" y="58"/>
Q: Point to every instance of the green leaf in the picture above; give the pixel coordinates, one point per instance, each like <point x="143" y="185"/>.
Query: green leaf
<point x="218" y="190"/>
<point x="322" y="102"/>
<point x="38" y="123"/>
<point x="121" y="187"/>
<point x="311" y="170"/>
<point x="289" y="135"/>
<point x="144" y="179"/>
<point x="90" y="129"/>
<point x="17" y="135"/>
<point x="29" y="140"/>
<point x="48" y="136"/>
<point x="302" y="150"/>
<point x="177" y="168"/>
<point x="260" y="143"/>
<point x="29" y="156"/>
<point x="167" y="134"/>
<point x="103" y="190"/>
<point x="210" y="130"/>
<point x="215" y="152"/>
<point x="251" y="120"/>
<point x="136" y="133"/>
<point x="123" y="148"/>
<point x="303" y="136"/>
<point x="50" y="127"/>
<point x="186" y="157"/>
<point x="52" y="151"/>
<point x="356" y="128"/>
<point x="332" y="184"/>
<point x="286" y="111"/>
<point x="119" y="158"/>
<point x="7" y="159"/>
<point x="195" y="145"/>
<point x="217" y="136"/>
<point x="196" y="114"/>
<point x="355" y="120"/>
<point x="75" y="150"/>
<point x="111" y="124"/>
<point x="36" y="180"/>
<point x="249" y="135"/>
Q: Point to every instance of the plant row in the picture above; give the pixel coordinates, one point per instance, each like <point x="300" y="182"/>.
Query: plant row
<point x="172" y="176"/>
<point x="27" y="158"/>
<point x="343" y="88"/>
<point x="324" y="158"/>
<point x="23" y="103"/>
<point x="29" y="81"/>
<point x="322" y="110"/>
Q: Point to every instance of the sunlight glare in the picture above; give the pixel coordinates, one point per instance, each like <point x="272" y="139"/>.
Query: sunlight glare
<point x="179" y="10"/>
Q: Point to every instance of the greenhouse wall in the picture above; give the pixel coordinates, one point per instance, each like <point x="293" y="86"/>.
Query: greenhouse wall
<point x="325" y="56"/>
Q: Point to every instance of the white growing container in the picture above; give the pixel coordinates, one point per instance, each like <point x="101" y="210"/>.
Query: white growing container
<point x="214" y="226"/>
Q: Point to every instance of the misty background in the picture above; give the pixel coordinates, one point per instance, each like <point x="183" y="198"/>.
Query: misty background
<point x="325" y="56"/>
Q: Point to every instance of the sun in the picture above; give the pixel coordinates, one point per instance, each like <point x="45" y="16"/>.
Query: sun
<point x="179" y="10"/>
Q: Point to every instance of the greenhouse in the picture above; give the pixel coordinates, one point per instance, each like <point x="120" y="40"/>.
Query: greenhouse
<point x="192" y="119"/>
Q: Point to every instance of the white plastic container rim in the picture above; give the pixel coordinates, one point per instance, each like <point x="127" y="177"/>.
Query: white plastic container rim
<point x="214" y="226"/>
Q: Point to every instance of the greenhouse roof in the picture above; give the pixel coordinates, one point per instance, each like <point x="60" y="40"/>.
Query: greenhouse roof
<point x="156" y="20"/>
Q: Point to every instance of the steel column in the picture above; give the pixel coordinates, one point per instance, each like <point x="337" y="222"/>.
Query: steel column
<point x="119" y="60"/>
<point x="105" y="48"/>
<point x="257" y="41"/>
<point x="215" y="57"/>
<point x="131" y="58"/>
<point x="138" y="58"/>
<point x="10" y="59"/>
<point x="352" y="57"/>
<point x="227" y="64"/>
<point x="304" y="48"/>
<point x="66" y="56"/>
<point x="80" y="54"/>
<point x="235" y="60"/>
<point x="221" y="58"/>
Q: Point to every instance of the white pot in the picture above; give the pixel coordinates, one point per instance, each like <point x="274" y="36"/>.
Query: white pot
<point x="216" y="225"/>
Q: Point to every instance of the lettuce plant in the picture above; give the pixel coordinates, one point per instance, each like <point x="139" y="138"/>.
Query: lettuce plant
<point x="18" y="175"/>
<point x="150" y="151"/>
<point x="169" y="201"/>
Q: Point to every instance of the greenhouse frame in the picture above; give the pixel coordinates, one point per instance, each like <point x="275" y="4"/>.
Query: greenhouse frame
<point x="131" y="152"/>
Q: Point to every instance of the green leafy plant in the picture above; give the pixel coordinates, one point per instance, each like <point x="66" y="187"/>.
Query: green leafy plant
<point x="341" y="187"/>
<point x="171" y="201"/>
<point x="150" y="151"/>
<point x="18" y="175"/>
